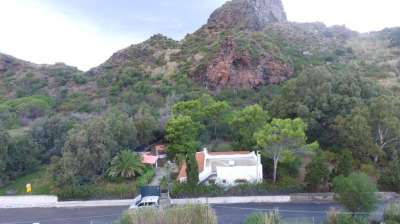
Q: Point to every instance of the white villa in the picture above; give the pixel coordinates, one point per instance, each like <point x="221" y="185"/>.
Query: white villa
<point x="226" y="168"/>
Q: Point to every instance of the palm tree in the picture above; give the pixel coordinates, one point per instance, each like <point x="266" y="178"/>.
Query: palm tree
<point x="126" y="164"/>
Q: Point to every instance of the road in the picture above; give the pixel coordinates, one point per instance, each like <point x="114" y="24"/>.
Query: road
<point x="227" y="214"/>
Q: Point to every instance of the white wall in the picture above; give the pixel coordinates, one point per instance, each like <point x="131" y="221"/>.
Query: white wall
<point x="230" y="174"/>
<point x="233" y="200"/>
<point x="27" y="201"/>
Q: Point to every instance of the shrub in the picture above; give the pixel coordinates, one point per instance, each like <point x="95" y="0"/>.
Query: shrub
<point x="284" y="186"/>
<point x="101" y="190"/>
<point x="146" y="178"/>
<point x="261" y="218"/>
<point x="392" y="213"/>
<point x="193" y="214"/>
<point x="355" y="192"/>
<point x="317" y="173"/>
<point x="390" y="178"/>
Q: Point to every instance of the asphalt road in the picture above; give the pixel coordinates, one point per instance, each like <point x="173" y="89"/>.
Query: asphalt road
<point x="227" y="214"/>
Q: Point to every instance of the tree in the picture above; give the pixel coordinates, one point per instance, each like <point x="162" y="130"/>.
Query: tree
<point x="373" y="129"/>
<point x="146" y="125"/>
<point x="354" y="132"/>
<point x="280" y="139"/>
<point x="246" y="122"/>
<point x="23" y="154"/>
<point x="355" y="192"/>
<point x="182" y="133"/>
<point x="87" y="153"/>
<point x="122" y="129"/>
<point x="215" y="113"/>
<point x="390" y="178"/>
<point x="192" y="168"/>
<point x="4" y="144"/>
<point x="318" y="96"/>
<point x="50" y="133"/>
<point x="126" y="164"/>
<point x="345" y="164"/>
<point x="317" y="172"/>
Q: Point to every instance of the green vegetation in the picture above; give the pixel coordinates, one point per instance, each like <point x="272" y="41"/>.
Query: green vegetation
<point x="356" y="193"/>
<point x="392" y="213"/>
<point x="286" y="185"/>
<point x="281" y="139"/>
<point x="318" y="173"/>
<point x="182" y="133"/>
<point x="40" y="180"/>
<point x="264" y="218"/>
<point x="194" y="214"/>
<point x="126" y="164"/>
<point x="78" y="124"/>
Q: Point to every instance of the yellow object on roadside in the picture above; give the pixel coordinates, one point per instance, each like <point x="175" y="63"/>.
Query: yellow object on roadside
<point x="28" y="188"/>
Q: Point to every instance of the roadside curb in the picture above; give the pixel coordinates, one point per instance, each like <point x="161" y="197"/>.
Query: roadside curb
<point x="7" y="202"/>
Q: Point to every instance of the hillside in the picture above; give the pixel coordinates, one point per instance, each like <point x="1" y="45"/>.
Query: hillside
<point x="246" y="54"/>
<point x="246" y="44"/>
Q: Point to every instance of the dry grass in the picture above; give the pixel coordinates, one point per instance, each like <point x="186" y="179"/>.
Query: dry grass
<point x="193" y="214"/>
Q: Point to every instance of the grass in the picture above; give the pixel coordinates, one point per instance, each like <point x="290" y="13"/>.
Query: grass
<point x="183" y="214"/>
<point x="41" y="184"/>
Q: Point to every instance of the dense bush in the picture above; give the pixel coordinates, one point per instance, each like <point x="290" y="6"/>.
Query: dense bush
<point x="193" y="214"/>
<point x="390" y="178"/>
<point x="51" y="133"/>
<point x="89" y="148"/>
<point x="106" y="190"/>
<point x="98" y="191"/>
<point x="355" y="192"/>
<point x="317" y="173"/>
<point x="284" y="186"/>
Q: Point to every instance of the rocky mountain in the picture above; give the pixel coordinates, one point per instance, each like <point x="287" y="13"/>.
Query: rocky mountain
<point x="246" y="45"/>
<point x="247" y="14"/>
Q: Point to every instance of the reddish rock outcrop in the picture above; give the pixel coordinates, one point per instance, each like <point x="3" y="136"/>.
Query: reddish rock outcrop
<point x="235" y="68"/>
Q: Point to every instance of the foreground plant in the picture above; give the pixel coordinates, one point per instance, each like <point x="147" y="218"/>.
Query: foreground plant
<point x="184" y="214"/>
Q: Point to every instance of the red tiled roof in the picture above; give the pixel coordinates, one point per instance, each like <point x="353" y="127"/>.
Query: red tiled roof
<point x="149" y="159"/>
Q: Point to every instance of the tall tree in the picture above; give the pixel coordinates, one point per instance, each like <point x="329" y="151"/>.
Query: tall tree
<point x="122" y="129"/>
<point x="50" y="133"/>
<point x="215" y="112"/>
<point x="345" y="164"/>
<point x="281" y="139"/>
<point x="390" y="178"/>
<point x="4" y="144"/>
<point x="317" y="172"/>
<point x="146" y="125"/>
<point x="23" y="156"/>
<point x="87" y="153"/>
<point x="182" y="133"/>
<point x="246" y="122"/>
<point x="371" y="130"/>
<point x="318" y="96"/>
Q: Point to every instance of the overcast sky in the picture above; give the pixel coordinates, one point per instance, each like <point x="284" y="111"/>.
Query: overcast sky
<point x="84" y="33"/>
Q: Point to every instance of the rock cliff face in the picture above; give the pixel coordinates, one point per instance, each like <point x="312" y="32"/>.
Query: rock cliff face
<point x="247" y="14"/>
<point x="236" y="68"/>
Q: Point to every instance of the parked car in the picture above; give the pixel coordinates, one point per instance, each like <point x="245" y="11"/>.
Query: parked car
<point x="149" y="201"/>
<point x="149" y="197"/>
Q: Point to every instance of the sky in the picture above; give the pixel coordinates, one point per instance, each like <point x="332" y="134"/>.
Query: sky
<point x="85" y="33"/>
